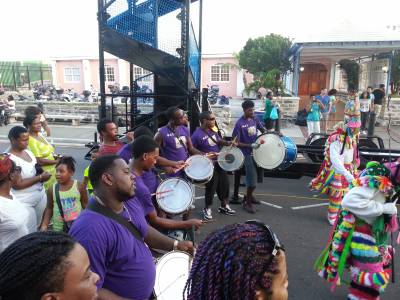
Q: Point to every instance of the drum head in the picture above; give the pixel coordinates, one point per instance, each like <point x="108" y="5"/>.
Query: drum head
<point x="174" y="195"/>
<point x="172" y="272"/>
<point x="230" y="158"/>
<point x="199" y="168"/>
<point x="271" y="153"/>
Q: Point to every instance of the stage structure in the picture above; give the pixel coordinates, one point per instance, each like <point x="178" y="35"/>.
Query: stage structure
<point x="161" y="36"/>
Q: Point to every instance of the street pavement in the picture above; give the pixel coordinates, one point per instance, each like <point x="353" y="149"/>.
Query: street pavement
<point x="293" y="212"/>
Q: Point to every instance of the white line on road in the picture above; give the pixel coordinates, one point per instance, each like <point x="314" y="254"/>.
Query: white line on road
<point x="311" y="205"/>
<point x="270" y="204"/>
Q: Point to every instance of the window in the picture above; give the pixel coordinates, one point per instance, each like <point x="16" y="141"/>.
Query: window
<point x="220" y="73"/>
<point x="109" y="73"/>
<point x="139" y="72"/>
<point x="72" y="74"/>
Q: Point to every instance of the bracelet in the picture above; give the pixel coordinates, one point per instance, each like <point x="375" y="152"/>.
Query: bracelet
<point x="175" y="247"/>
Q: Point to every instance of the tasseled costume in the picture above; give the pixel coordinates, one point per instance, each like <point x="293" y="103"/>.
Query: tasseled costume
<point x="361" y="248"/>
<point x="328" y="181"/>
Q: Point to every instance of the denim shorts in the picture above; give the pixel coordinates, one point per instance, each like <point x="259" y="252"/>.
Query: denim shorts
<point x="251" y="171"/>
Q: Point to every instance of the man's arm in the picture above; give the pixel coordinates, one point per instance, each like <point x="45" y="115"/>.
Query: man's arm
<point x="156" y="240"/>
<point x="165" y="223"/>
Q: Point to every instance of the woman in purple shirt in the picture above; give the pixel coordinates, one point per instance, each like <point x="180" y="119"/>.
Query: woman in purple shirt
<point x="208" y="141"/>
<point x="245" y="132"/>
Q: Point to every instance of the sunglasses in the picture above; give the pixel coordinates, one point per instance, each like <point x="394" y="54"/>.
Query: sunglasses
<point x="277" y="245"/>
<point x="17" y="169"/>
<point x="211" y="119"/>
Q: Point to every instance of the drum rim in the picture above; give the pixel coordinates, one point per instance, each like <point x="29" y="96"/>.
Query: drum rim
<point x="168" y="210"/>
<point x="158" y="265"/>
<point x="200" y="179"/>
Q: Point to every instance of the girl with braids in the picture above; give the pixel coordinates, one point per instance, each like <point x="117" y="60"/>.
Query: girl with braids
<point x="46" y="266"/>
<point x="65" y="199"/>
<point x="239" y="262"/>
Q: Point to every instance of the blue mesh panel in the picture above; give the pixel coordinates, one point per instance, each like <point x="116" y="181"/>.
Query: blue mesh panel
<point x="194" y="57"/>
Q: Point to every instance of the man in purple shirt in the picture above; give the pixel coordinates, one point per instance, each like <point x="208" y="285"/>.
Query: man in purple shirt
<point x="245" y="133"/>
<point x="208" y="141"/>
<point x="174" y="138"/>
<point x="123" y="261"/>
<point x="145" y="151"/>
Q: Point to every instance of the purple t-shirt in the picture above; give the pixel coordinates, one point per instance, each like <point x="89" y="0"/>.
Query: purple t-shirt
<point x="246" y="131"/>
<point x="143" y="195"/>
<point x="124" y="264"/>
<point x="126" y="152"/>
<point x="150" y="179"/>
<point x="171" y="148"/>
<point x="202" y="141"/>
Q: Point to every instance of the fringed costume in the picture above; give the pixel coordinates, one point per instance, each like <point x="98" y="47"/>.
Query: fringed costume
<point x="359" y="242"/>
<point x="339" y="167"/>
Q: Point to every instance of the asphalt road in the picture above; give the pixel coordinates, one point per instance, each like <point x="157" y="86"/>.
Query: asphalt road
<point x="294" y="214"/>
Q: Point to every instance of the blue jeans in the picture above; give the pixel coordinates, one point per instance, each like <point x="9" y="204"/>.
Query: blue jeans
<point x="251" y="172"/>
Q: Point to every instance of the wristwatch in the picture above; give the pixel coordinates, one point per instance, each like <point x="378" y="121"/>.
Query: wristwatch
<point x="175" y="247"/>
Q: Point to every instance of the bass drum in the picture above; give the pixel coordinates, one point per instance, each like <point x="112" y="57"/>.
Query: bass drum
<point x="275" y="152"/>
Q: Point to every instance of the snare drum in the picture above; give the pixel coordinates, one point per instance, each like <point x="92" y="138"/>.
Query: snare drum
<point x="200" y="169"/>
<point x="172" y="272"/>
<point x="275" y="152"/>
<point x="230" y="158"/>
<point x="174" y="195"/>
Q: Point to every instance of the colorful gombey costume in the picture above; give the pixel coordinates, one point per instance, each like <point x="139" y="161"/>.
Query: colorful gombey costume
<point x="359" y="242"/>
<point x="339" y="167"/>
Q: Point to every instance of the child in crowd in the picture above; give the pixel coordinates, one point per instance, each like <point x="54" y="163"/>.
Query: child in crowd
<point x="313" y="116"/>
<point x="65" y="198"/>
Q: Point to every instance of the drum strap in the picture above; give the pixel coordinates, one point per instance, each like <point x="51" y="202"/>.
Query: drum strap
<point x="179" y="138"/>
<point x="97" y="207"/>
<point x="211" y="137"/>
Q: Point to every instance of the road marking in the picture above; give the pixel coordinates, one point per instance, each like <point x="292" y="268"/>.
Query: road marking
<point x="291" y="196"/>
<point x="270" y="204"/>
<point x="308" y="206"/>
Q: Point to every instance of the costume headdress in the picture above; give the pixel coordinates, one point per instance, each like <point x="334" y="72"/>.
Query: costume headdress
<point x="352" y="113"/>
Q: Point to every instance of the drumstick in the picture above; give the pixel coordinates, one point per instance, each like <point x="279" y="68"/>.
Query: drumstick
<point x="212" y="154"/>
<point x="234" y="140"/>
<point x="162" y="192"/>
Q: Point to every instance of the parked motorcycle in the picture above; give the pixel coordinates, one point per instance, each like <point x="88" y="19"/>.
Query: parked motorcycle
<point x="213" y="92"/>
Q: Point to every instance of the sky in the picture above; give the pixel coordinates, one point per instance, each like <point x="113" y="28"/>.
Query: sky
<point x="41" y="29"/>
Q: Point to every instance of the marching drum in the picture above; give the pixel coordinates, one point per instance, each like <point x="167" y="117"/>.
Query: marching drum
<point x="174" y="195"/>
<point x="172" y="272"/>
<point x="230" y="158"/>
<point x="199" y="169"/>
<point x="275" y="152"/>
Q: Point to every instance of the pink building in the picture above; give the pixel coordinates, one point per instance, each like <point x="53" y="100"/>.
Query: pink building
<point x="82" y="73"/>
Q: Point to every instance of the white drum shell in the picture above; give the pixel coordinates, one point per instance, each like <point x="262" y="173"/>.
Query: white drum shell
<point x="172" y="272"/>
<point x="178" y="199"/>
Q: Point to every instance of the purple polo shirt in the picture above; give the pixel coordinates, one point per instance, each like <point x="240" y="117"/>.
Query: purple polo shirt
<point x="126" y="152"/>
<point x="143" y="195"/>
<point x="124" y="264"/>
<point x="246" y="131"/>
<point x="202" y="141"/>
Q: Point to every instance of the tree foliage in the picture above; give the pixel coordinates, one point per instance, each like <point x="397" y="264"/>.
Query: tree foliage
<point x="352" y="70"/>
<point x="264" y="54"/>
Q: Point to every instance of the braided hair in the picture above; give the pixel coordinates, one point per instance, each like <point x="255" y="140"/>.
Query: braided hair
<point x="34" y="265"/>
<point x="232" y="263"/>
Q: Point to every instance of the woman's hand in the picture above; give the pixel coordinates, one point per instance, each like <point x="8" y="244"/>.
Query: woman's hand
<point x="44" y="176"/>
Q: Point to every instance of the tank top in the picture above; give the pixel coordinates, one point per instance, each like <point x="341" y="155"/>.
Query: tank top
<point x="71" y="206"/>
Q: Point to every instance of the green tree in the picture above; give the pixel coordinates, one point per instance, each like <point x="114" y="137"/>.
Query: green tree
<point x="352" y="70"/>
<point x="267" y="58"/>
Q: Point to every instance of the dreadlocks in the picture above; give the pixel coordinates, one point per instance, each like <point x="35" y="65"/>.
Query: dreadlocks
<point x="232" y="263"/>
<point x="34" y="265"/>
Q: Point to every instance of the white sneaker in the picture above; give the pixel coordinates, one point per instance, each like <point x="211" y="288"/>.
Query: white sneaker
<point x="207" y="214"/>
